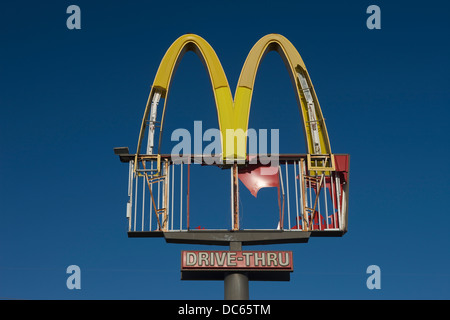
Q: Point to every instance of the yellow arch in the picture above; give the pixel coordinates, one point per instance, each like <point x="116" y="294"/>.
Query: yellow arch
<point x="294" y="63"/>
<point x="168" y="66"/>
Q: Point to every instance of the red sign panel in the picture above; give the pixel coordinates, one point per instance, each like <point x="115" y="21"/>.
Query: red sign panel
<point x="237" y="260"/>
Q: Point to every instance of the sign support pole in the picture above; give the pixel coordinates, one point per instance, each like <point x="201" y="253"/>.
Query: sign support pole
<point x="236" y="283"/>
<point x="235" y="197"/>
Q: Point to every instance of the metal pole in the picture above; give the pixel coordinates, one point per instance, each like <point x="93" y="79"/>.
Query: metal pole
<point x="303" y="195"/>
<point x="143" y="204"/>
<point x="188" y="191"/>
<point x="130" y="193"/>
<point x="231" y="198"/>
<point x="151" y="192"/>
<point x="135" y="200"/>
<point x="181" y="196"/>
<point x="173" y="194"/>
<point x="235" y="198"/>
<point x="297" y="223"/>
<point x="338" y="195"/>
<point x="287" y="192"/>
<point x="166" y="194"/>
<point x="236" y="283"/>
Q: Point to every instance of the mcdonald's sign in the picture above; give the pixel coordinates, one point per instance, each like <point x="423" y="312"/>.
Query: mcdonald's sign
<point x="233" y="114"/>
<point x="318" y="199"/>
<point x="320" y="195"/>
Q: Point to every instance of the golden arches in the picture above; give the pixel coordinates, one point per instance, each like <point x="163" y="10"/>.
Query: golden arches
<point x="235" y="115"/>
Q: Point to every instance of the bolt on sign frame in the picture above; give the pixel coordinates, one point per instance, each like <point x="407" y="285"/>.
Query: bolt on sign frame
<point x="320" y="178"/>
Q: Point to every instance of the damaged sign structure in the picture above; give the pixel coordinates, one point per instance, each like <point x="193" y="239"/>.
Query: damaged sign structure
<point x="312" y="188"/>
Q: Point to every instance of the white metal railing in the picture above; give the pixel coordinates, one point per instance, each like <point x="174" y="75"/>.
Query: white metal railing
<point x="154" y="198"/>
<point x="312" y="202"/>
<point x="159" y="201"/>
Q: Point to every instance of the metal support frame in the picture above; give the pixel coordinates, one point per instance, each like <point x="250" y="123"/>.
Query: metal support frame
<point x="171" y="200"/>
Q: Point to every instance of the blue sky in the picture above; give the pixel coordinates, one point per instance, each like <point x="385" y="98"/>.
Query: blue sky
<point x="68" y="97"/>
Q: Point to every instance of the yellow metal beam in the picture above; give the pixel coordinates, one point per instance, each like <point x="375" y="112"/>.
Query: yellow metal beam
<point x="219" y="82"/>
<point x="294" y="63"/>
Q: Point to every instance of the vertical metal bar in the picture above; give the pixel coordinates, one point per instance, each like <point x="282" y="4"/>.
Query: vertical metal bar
<point x="297" y="222"/>
<point x="173" y="194"/>
<point x="325" y="200"/>
<point x="188" y="191"/>
<point x="166" y="194"/>
<point x="143" y="204"/>
<point x="303" y="196"/>
<point x="151" y="191"/>
<point x="135" y="201"/>
<point x="159" y="193"/>
<point x="287" y="191"/>
<point x="130" y="192"/>
<point x="305" y="190"/>
<point x="338" y="194"/>
<point x="181" y="195"/>
<point x="236" y="197"/>
<point x="163" y="189"/>
<point x="332" y="200"/>
<point x="301" y="191"/>
<point x="130" y="178"/>
<point x="231" y="198"/>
